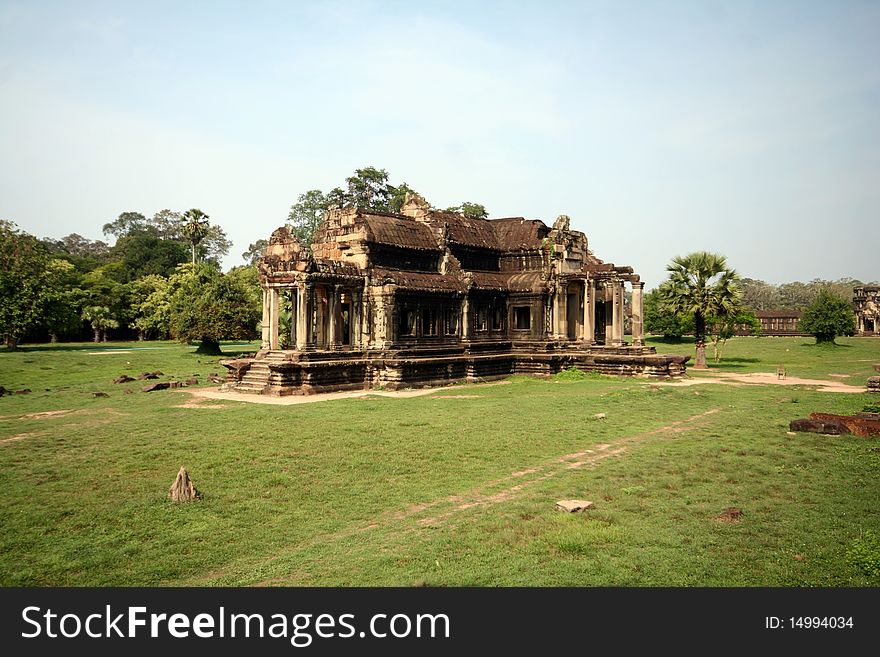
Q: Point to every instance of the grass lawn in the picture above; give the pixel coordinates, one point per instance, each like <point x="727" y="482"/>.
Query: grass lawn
<point x="453" y="488"/>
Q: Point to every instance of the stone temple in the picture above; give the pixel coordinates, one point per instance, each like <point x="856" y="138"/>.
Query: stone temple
<point x="429" y="297"/>
<point x="866" y="304"/>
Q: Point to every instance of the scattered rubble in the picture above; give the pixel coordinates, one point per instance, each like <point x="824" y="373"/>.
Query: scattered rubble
<point x="731" y="514"/>
<point x="100" y="394"/>
<point x="164" y="385"/>
<point x="122" y="379"/>
<point x="860" y="424"/>
<point x="574" y="506"/>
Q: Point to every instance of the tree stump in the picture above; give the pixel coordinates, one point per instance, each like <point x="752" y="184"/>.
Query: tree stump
<point x="182" y="490"/>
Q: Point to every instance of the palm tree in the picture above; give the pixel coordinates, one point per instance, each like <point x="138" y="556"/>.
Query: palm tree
<point x="101" y="320"/>
<point x="195" y="228"/>
<point x="702" y="285"/>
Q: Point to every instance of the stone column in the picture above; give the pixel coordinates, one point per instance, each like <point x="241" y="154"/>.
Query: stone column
<point x="305" y="309"/>
<point x="465" y="319"/>
<point x="590" y="311"/>
<point x="638" y="314"/>
<point x="264" y="337"/>
<point x="617" y="313"/>
<point x="355" y="319"/>
<point x="294" y="316"/>
<point x="273" y="318"/>
<point x="562" y="297"/>
<point x="608" y="296"/>
<point x="332" y="325"/>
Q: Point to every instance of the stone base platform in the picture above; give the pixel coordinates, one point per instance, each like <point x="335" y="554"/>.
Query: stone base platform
<point x="306" y="372"/>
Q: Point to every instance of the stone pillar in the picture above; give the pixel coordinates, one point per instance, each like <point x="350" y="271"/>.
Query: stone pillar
<point x="273" y="318"/>
<point x="608" y="296"/>
<point x="355" y="318"/>
<point x="264" y="324"/>
<point x="638" y="314"/>
<point x="332" y="319"/>
<point x="465" y="319"/>
<point x="294" y="316"/>
<point x="590" y="311"/>
<point x="305" y="335"/>
<point x="562" y="298"/>
<point x="617" y="313"/>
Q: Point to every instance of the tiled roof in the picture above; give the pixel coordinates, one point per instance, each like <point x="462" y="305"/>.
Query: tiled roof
<point x="399" y="231"/>
<point x="516" y="234"/>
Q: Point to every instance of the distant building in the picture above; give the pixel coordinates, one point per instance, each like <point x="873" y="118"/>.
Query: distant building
<point x="866" y="304"/>
<point x="776" y="322"/>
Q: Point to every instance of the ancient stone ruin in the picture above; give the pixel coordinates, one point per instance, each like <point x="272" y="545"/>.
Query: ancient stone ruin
<point x="428" y="297"/>
<point x="866" y="304"/>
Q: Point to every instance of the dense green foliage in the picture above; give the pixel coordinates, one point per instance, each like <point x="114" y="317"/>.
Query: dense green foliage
<point x="367" y="188"/>
<point x="828" y="317"/>
<point x="759" y="295"/>
<point x="69" y="287"/>
<point x="659" y="320"/>
<point x="454" y="488"/>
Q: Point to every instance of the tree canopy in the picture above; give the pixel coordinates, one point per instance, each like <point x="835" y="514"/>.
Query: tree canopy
<point x="367" y="188"/>
<point x="828" y="317"/>
<point x="701" y="285"/>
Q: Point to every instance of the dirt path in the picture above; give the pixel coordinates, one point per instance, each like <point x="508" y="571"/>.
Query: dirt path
<point x="763" y="378"/>
<point x="493" y="492"/>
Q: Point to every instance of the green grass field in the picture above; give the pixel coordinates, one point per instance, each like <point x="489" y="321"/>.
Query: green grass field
<point x="453" y="488"/>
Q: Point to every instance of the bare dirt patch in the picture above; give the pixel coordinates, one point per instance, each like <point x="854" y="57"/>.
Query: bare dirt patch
<point x="45" y="414"/>
<point x="21" y="436"/>
<point x="763" y="378"/>
<point x="731" y="514"/>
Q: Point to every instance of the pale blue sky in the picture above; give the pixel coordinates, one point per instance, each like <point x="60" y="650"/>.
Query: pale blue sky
<point x="747" y="128"/>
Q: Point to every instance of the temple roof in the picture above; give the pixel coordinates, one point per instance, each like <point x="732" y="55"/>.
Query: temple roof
<point x="400" y="231"/>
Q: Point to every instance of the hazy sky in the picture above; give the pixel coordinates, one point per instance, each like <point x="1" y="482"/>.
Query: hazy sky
<point x="747" y="128"/>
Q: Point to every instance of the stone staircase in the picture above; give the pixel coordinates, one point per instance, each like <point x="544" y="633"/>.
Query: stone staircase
<point x="256" y="379"/>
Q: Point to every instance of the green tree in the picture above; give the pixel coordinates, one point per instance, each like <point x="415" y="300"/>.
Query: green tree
<point x="254" y="251"/>
<point x="306" y="214"/>
<point x="144" y="254"/>
<point x="700" y="285"/>
<point x="721" y="329"/>
<point x="23" y="261"/>
<point x="201" y="304"/>
<point x="827" y="317"/>
<point x="195" y="228"/>
<point x="128" y="223"/>
<point x="368" y="188"/>
<point x="659" y="320"/>
<point x="470" y="210"/>
<point x="101" y="321"/>
<point x="62" y="299"/>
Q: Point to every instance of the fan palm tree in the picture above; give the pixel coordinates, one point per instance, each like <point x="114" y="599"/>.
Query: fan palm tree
<point x="702" y="285"/>
<point x="195" y="228"/>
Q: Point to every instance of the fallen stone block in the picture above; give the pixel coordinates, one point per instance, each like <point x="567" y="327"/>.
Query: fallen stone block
<point x="100" y="394"/>
<point x="192" y="381"/>
<point x="855" y="424"/>
<point x="147" y="375"/>
<point x="574" y="506"/>
<point x="827" y="427"/>
<point x="122" y="379"/>
<point x="24" y="391"/>
<point x="600" y="416"/>
<point x="874" y="384"/>
<point x="164" y="385"/>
